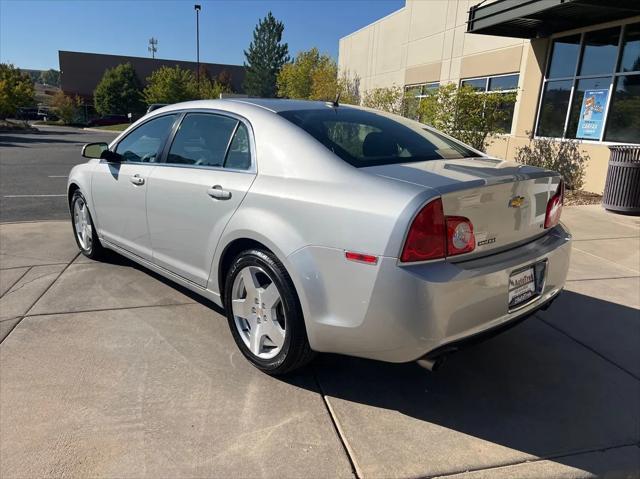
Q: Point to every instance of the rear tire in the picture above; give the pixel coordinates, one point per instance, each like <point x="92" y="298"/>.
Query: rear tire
<point x="84" y="230"/>
<point x="264" y="313"/>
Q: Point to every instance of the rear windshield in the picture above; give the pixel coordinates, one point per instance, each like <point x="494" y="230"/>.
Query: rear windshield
<point x="364" y="138"/>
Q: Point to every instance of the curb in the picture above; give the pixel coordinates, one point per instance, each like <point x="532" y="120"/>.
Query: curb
<point x="102" y="131"/>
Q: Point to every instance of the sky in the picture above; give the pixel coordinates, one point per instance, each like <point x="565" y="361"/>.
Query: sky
<point x="32" y="32"/>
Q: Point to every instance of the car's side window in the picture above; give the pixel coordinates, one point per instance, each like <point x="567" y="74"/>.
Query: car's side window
<point x="202" y="140"/>
<point x="144" y="144"/>
<point x="239" y="154"/>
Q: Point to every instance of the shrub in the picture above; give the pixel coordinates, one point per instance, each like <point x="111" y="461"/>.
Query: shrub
<point x="563" y="156"/>
<point x="467" y="115"/>
<point x="68" y="108"/>
<point x="389" y="99"/>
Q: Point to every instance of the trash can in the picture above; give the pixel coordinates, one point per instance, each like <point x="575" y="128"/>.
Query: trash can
<point x="622" y="189"/>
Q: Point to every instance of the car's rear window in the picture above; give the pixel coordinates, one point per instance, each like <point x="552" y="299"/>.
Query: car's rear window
<point x="364" y="138"/>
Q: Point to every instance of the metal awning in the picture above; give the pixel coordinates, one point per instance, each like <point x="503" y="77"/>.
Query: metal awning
<point x="541" y="18"/>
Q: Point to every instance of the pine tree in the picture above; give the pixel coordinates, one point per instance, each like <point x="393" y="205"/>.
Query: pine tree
<point x="265" y="58"/>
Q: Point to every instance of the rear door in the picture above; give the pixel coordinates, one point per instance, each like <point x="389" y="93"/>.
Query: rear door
<point x="192" y="195"/>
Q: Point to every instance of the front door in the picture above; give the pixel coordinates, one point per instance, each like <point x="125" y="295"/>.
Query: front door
<point x="192" y="196"/>
<point x="119" y="189"/>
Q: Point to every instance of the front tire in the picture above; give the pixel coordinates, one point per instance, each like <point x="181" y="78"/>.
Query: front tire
<point x="84" y="230"/>
<point x="264" y="313"/>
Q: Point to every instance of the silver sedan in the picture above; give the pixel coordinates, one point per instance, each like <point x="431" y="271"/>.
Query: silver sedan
<point x="326" y="228"/>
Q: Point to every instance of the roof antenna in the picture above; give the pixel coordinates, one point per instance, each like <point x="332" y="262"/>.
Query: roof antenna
<point x="336" y="103"/>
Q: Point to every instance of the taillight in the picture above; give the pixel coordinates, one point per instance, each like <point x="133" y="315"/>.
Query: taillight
<point x="460" y="237"/>
<point x="433" y="235"/>
<point x="426" y="237"/>
<point x="554" y="207"/>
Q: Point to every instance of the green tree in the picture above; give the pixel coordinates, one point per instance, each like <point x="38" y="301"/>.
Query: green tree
<point x="467" y="115"/>
<point x="119" y="91"/>
<point x="314" y="76"/>
<point x="68" y="108"/>
<point x="265" y="58"/>
<point x="50" y="77"/>
<point x="16" y="90"/>
<point x="171" y="85"/>
<point x="389" y="99"/>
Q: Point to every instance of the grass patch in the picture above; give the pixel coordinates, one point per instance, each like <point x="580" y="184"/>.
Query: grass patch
<point x="120" y="127"/>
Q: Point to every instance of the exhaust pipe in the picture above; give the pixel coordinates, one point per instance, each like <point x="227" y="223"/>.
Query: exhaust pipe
<point x="430" y="364"/>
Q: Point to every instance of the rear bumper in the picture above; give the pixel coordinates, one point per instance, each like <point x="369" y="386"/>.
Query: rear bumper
<point x="402" y="313"/>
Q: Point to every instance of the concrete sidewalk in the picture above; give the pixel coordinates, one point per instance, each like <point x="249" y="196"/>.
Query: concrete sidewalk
<point x="106" y="370"/>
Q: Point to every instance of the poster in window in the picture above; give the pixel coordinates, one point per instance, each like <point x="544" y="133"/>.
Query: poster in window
<point x="592" y="112"/>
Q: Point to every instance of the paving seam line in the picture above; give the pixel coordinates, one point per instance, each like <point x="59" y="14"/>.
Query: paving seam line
<point x="355" y="470"/>
<point x="16" y="281"/>
<point x="603" y="279"/>
<point x="98" y="310"/>
<point x="607" y="260"/>
<point x="605" y="239"/>
<point x="532" y="461"/>
<point x="586" y="346"/>
<point x="35" y="266"/>
<point x="40" y="296"/>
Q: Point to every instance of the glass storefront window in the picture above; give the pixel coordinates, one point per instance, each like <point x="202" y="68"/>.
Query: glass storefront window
<point x="630" y="61"/>
<point x="624" y="112"/>
<point x="600" y="52"/>
<point x="611" y="110"/>
<point x="553" y="111"/>
<point x="412" y="96"/>
<point x="564" y="57"/>
<point x="508" y="82"/>
<point x="578" y="98"/>
<point x="479" y="84"/>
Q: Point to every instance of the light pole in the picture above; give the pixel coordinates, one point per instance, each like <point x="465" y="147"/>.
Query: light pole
<point x="197" y="8"/>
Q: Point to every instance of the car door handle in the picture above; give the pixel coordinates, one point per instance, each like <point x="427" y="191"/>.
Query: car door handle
<point x="137" y="180"/>
<point x="218" y="193"/>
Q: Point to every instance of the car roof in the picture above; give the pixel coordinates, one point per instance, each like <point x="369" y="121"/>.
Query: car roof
<point x="277" y="105"/>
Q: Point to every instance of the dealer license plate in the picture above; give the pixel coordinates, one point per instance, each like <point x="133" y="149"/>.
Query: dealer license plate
<point x="522" y="287"/>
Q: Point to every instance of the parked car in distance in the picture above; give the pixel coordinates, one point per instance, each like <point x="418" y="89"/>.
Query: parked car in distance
<point x="108" y="120"/>
<point x="326" y="228"/>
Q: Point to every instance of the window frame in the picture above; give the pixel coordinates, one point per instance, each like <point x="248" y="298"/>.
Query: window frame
<point x="613" y="75"/>
<point x="487" y="80"/>
<point x="253" y="168"/>
<point x="116" y="143"/>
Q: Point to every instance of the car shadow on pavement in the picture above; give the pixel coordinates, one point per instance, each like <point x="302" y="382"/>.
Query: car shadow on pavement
<point x="532" y="389"/>
<point x="116" y="259"/>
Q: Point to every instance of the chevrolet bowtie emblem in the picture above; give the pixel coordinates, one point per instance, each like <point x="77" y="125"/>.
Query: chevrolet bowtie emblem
<point x="516" y="202"/>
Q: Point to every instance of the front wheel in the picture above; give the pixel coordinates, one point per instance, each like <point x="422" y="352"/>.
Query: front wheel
<point x="83" y="229"/>
<point x="264" y="313"/>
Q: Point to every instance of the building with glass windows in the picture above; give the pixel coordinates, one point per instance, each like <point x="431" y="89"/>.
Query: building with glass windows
<point x="575" y="65"/>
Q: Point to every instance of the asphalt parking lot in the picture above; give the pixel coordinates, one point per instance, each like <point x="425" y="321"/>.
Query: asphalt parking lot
<point x="34" y="168"/>
<point x="107" y="370"/>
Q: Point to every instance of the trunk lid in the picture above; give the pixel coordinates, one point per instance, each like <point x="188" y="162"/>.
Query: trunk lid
<point x="505" y="201"/>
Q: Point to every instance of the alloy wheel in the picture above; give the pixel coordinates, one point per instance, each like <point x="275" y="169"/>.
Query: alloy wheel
<point x="82" y="223"/>
<point x="258" y="312"/>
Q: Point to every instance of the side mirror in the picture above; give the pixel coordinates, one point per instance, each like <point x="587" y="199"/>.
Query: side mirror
<point x="100" y="151"/>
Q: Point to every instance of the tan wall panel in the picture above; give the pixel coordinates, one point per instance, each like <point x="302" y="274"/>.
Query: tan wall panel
<point x="426" y="50"/>
<point x="427" y="17"/>
<point x="391" y="37"/>
<point x="494" y="63"/>
<point x="422" y="74"/>
<point x="463" y="12"/>
<point x="484" y="43"/>
<point x="535" y="55"/>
